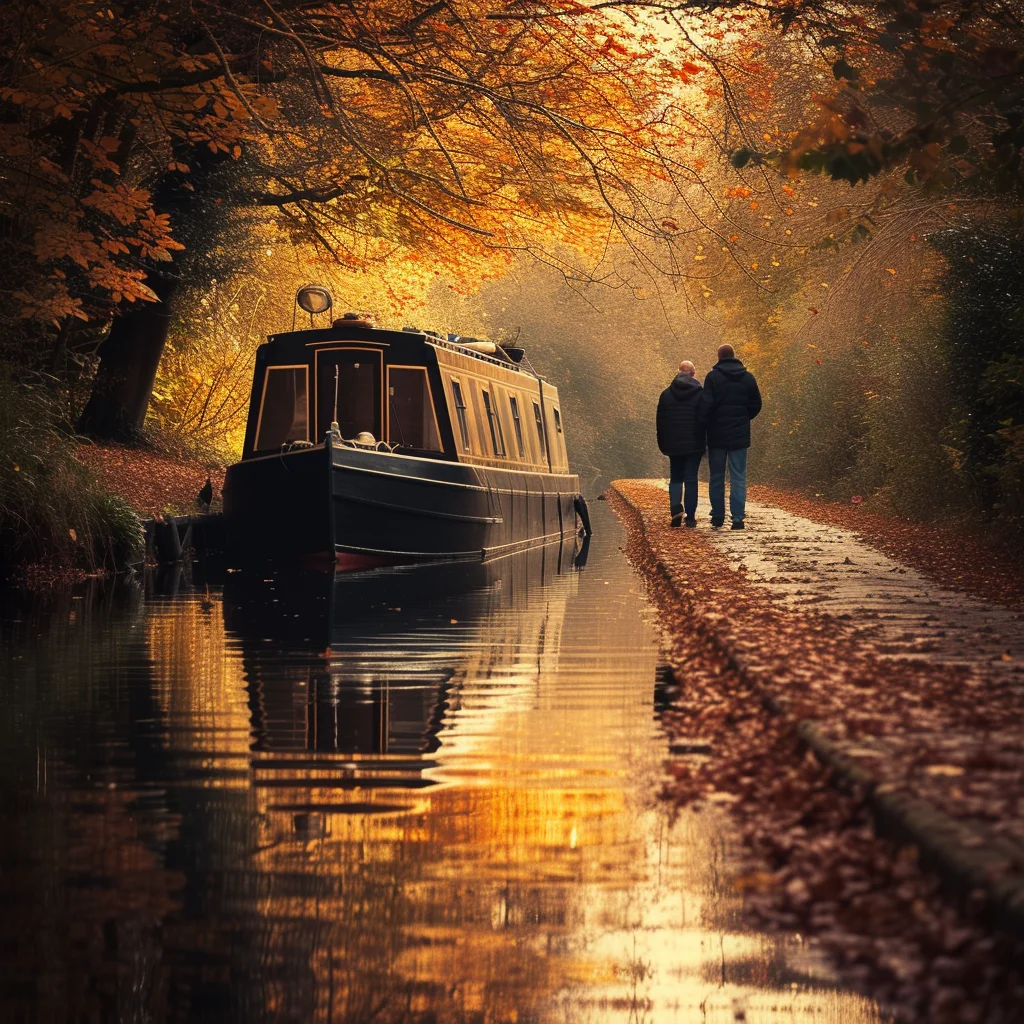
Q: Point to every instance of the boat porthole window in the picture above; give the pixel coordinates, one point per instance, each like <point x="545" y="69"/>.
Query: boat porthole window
<point x="558" y="420"/>
<point x="514" y="403"/>
<point x="497" y="438"/>
<point x="460" y="412"/>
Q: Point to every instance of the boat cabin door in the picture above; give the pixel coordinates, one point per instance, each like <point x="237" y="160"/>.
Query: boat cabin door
<point x="353" y="377"/>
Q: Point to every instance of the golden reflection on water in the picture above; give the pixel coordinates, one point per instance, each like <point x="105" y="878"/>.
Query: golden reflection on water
<point x="423" y="796"/>
<point x="198" y="681"/>
<point x="526" y="871"/>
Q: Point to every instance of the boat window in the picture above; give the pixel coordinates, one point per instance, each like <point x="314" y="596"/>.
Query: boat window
<point x="514" y="403"/>
<point x="460" y="412"/>
<point x="411" y="421"/>
<point x="497" y="438"/>
<point x="349" y="380"/>
<point x="558" y="420"/>
<point x="539" y="420"/>
<point x="284" y="408"/>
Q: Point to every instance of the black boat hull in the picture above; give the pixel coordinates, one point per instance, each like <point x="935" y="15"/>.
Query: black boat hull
<point x="358" y="502"/>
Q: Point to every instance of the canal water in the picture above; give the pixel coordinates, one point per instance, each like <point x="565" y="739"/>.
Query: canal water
<point x="420" y="795"/>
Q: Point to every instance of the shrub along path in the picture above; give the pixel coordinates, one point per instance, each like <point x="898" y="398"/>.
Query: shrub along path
<point x="912" y="697"/>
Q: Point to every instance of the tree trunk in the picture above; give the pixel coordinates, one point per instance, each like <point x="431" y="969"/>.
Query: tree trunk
<point x="130" y="355"/>
<point x="129" y="358"/>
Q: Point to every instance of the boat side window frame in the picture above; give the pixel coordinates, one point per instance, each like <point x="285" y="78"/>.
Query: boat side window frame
<point x="513" y="404"/>
<point x="542" y="436"/>
<point x="429" y="398"/>
<point x="263" y="398"/>
<point x="459" y="401"/>
<point x="497" y="436"/>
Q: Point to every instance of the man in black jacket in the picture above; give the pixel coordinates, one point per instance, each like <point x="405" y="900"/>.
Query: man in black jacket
<point x="681" y="438"/>
<point x="729" y="401"/>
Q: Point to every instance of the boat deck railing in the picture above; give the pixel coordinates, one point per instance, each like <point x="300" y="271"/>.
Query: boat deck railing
<point x="454" y="346"/>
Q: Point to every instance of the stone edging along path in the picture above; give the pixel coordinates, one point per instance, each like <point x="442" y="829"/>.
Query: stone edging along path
<point x="810" y="667"/>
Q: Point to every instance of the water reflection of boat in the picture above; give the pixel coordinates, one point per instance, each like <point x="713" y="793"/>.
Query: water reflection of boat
<point x="370" y="656"/>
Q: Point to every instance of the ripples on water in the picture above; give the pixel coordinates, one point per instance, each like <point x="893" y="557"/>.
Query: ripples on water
<point x="422" y="794"/>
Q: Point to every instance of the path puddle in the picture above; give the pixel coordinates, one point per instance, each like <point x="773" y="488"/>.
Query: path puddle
<point x="412" y="795"/>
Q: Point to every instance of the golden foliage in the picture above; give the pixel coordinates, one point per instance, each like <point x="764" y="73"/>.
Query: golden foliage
<point x="452" y="132"/>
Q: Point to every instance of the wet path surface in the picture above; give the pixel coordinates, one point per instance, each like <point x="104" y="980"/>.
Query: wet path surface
<point x="926" y="698"/>
<point x="826" y="569"/>
<point x="815" y="567"/>
<point x="410" y="795"/>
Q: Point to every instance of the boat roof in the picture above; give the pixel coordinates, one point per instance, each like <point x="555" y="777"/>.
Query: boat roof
<point x="344" y="331"/>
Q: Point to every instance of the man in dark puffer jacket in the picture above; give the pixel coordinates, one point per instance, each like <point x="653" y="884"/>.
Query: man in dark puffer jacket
<point x="681" y="438"/>
<point x="729" y="401"/>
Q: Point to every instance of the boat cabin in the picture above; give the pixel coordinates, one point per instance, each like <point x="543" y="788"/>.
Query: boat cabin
<point x="408" y="392"/>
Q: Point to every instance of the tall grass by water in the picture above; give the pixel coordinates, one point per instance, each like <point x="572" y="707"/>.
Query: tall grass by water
<point x="53" y="511"/>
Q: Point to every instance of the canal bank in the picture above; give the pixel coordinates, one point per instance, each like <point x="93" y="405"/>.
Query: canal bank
<point x="404" y="795"/>
<point x="789" y="676"/>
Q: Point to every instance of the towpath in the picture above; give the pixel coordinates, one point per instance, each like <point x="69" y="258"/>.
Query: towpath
<point x="909" y="691"/>
<point x="901" y="612"/>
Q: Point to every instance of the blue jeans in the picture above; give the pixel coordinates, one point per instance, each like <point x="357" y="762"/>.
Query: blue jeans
<point x="737" y="459"/>
<point x="683" y="470"/>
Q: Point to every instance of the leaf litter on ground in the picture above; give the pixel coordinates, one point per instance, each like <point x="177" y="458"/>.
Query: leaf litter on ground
<point x="866" y="899"/>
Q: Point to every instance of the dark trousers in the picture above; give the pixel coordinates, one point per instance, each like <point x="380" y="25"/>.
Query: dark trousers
<point x="737" y="462"/>
<point x="683" y="471"/>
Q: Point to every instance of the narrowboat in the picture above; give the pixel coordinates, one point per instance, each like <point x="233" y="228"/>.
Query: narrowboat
<point x="380" y="446"/>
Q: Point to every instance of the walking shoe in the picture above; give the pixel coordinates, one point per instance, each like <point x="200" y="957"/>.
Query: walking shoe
<point x="677" y="520"/>
<point x="690" y="522"/>
<point x="738" y="525"/>
<point x="717" y="524"/>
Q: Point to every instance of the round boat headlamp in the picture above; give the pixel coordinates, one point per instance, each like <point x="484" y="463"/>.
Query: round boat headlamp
<point x="314" y="298"/>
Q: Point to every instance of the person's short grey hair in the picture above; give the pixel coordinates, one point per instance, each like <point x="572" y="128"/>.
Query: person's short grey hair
<point x="726" y="352"/>
<point x="688" y="368"/>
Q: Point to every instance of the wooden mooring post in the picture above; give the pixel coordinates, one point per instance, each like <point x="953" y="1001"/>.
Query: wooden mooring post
<point x="167" y="540"/>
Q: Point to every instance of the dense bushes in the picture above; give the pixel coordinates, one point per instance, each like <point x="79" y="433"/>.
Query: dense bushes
<point x="985" y="343"/>
<point x="922" y="407"/>
<point x="51" y="508"/>
<point x="814" y="420"/>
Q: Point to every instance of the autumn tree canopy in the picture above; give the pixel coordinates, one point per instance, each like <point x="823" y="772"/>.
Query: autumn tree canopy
<point x="450" y="129"/>
<point x="932" y="87"/>
<point x="150" y="145"/>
